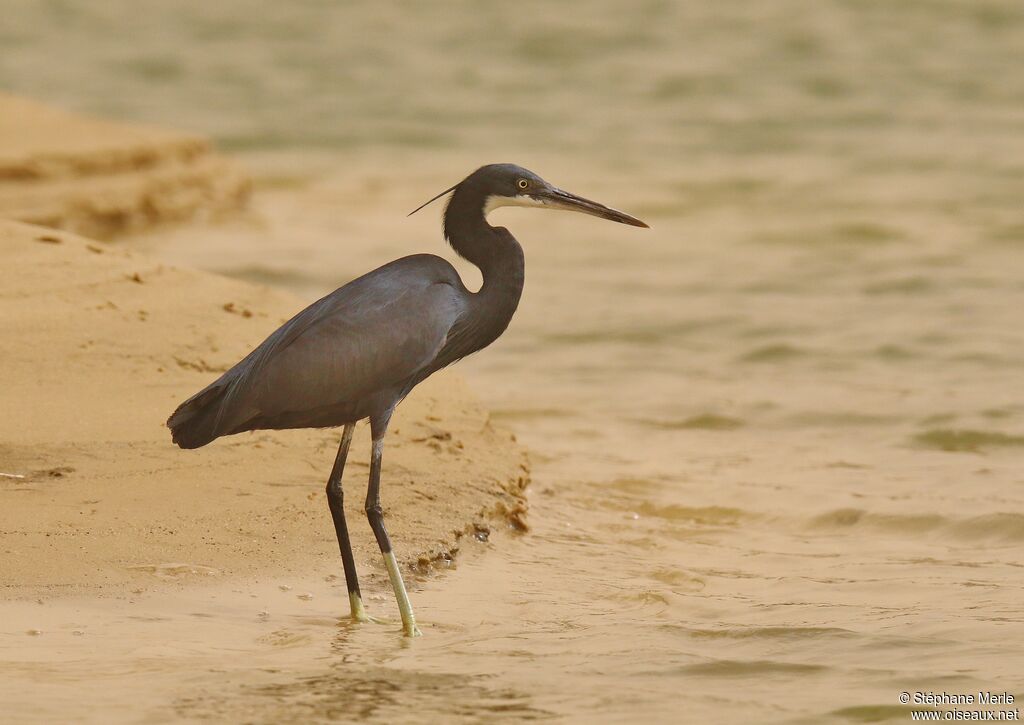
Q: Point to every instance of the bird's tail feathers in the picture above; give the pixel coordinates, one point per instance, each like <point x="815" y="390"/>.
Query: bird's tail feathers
<point x="194" y="423"/>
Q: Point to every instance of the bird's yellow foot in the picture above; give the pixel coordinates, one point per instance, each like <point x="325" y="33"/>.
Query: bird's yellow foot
<point x="412" y="631"/>
<point x="358" y="612"/>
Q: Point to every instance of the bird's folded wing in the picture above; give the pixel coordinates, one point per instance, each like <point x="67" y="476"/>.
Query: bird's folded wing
<point x="344" y="348"/>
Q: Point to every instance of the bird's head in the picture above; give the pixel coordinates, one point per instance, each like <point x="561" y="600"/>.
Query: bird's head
<point x="497" y="185"/>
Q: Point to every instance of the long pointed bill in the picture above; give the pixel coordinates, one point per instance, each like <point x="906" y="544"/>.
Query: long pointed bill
<point x="558" y="199"/>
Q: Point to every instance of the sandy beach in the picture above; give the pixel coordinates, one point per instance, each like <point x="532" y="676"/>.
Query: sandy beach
<point x="102" y="343"/>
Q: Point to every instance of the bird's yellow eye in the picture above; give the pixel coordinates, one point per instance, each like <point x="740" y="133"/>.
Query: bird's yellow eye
<point x="523" y="183"/>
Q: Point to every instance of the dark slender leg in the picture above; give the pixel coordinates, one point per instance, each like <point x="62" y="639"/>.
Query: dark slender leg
<point x="336" y="500"/>
<point x="375" y="515"/>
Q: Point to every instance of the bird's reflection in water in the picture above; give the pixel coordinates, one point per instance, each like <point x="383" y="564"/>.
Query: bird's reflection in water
<point x="362" y="676"/>
<point x="348" y="690"/>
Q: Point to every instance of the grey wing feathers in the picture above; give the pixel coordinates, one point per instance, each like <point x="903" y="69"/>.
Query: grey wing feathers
<point x="370" y="335"/>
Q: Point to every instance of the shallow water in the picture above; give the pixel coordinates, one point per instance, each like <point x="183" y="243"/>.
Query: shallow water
<point x="777" y="439"/>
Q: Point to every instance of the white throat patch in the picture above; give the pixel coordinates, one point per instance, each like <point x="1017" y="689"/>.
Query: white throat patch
<point x="494" y="201"/>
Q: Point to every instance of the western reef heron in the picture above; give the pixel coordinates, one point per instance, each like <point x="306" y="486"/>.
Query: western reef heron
<point x="358" y="352"/>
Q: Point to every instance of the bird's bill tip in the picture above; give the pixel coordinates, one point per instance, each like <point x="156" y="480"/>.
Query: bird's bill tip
<point x="558" y="199"/>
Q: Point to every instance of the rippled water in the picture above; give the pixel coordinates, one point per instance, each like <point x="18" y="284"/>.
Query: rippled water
<point x="778" y="438"/>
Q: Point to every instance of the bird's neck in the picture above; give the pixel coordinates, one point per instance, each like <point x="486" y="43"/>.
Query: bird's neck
<point x="493" y="249"/>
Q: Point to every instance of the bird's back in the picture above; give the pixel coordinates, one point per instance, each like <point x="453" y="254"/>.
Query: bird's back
<point x="359" y="348"/>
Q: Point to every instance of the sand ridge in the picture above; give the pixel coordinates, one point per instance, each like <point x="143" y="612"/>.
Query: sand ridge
<point x="101" y="344"/>
<point x="100" y="177"/>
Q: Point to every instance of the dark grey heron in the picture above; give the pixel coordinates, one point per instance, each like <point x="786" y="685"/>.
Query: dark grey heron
<point x="358" y="352"/>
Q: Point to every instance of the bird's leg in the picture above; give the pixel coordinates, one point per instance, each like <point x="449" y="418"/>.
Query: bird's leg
<point x="375" y="514"/>
<point x="335" y="499"/>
